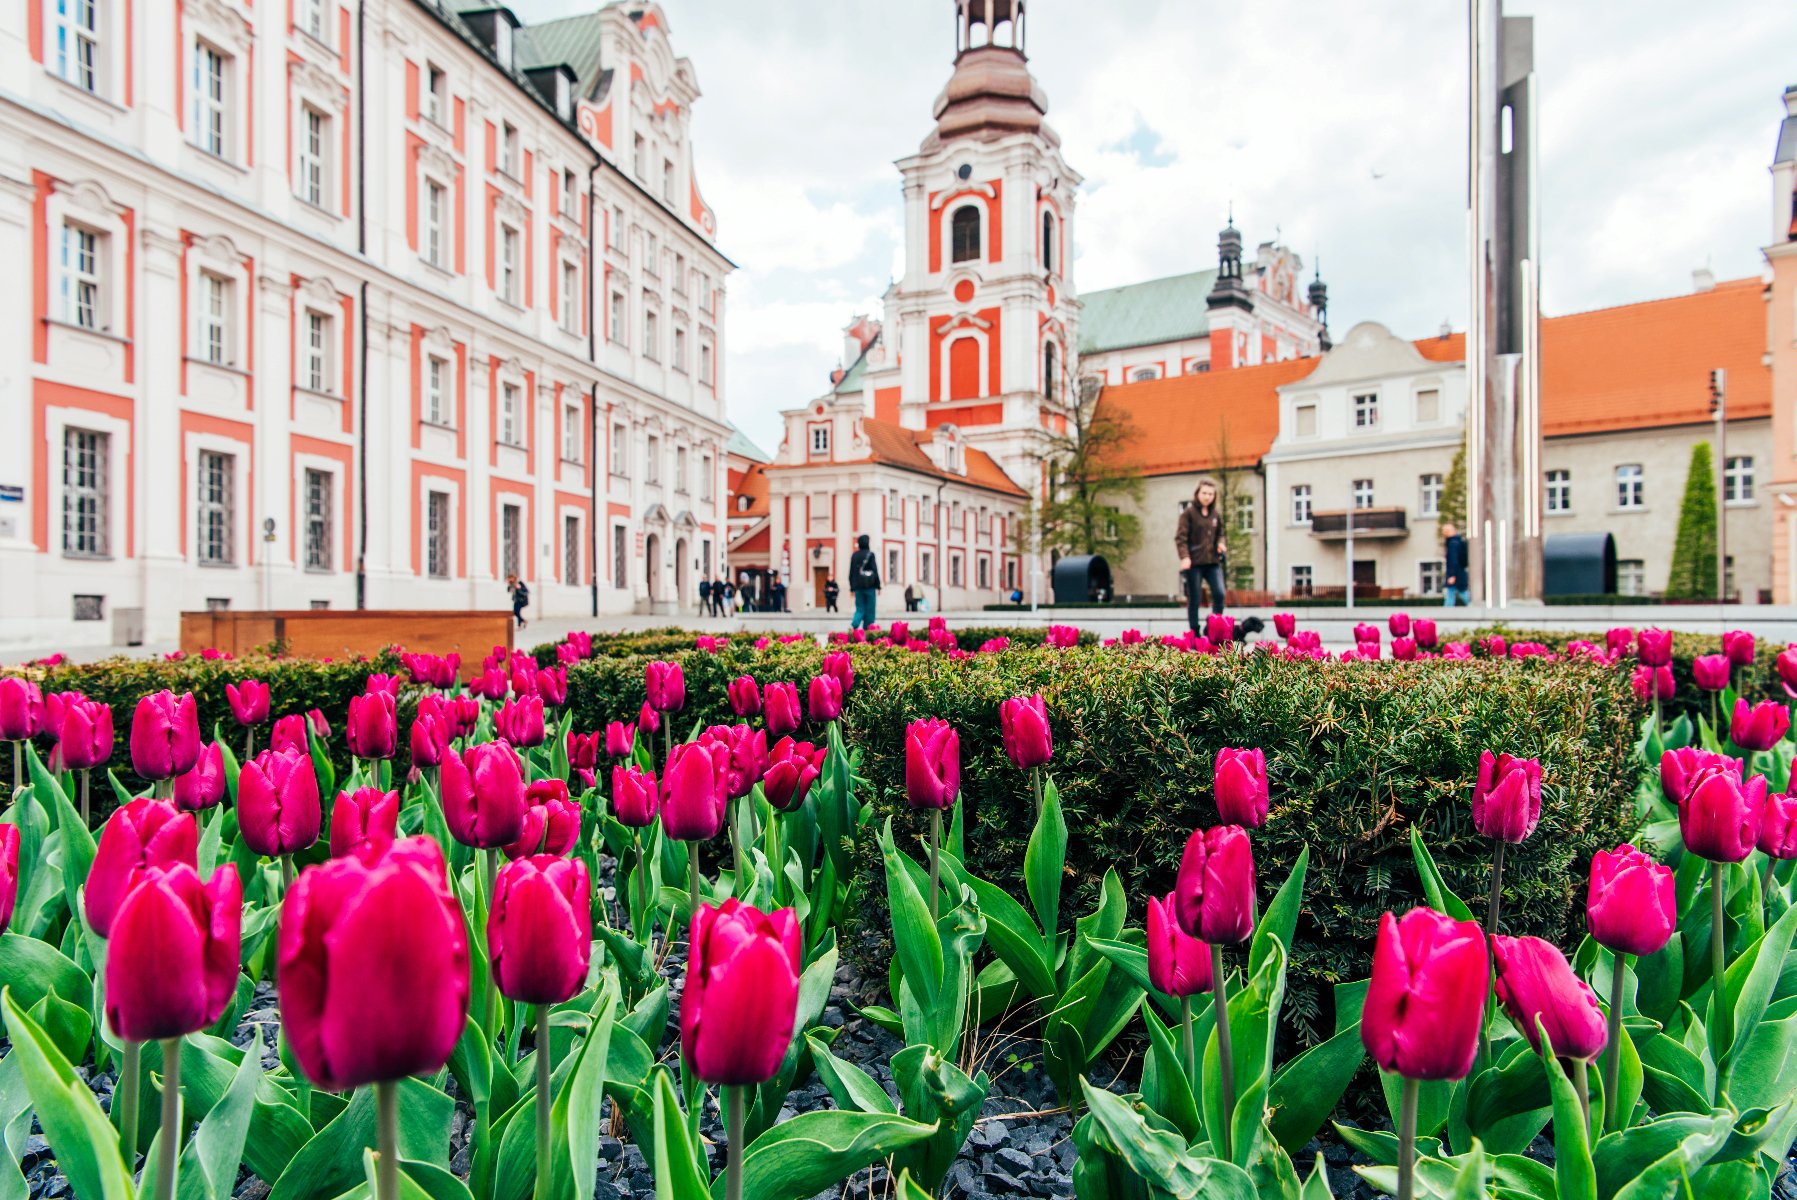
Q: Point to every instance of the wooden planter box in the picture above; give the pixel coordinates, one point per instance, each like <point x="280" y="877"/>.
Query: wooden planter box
<point x="349" y="633"/>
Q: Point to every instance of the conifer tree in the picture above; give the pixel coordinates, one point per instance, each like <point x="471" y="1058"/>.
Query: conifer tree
<point x="1453" y="493"/>
<point x="1693" y="574"/>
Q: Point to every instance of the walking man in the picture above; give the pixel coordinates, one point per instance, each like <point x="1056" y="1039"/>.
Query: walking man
<point x="705" y="596"/>
<point x="520" y="598"/>
<point x="1201" y="546"/>
<point x="1457" y="583"/>
<point x="832" y="590"/>
<point x="864" y="582"/>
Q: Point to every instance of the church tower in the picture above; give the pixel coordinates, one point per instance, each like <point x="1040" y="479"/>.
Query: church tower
<point x="985" y="317"/>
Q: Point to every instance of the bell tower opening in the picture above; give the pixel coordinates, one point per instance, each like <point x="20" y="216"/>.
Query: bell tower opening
<point x="982" y="23"/>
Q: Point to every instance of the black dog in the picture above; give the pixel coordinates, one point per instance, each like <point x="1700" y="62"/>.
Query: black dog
<point x="1246" y="626"/>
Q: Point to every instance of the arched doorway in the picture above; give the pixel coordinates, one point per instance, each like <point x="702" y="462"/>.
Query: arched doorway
<point x="680" y="575"/>
<point x="652" y="566"/>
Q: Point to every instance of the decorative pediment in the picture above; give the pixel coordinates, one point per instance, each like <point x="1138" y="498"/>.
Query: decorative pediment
<point x="88" y="196"/>
<point x="439" y="340"/>
<point x="318" y="83"/>
<point x="437" y="161"/>
<point x="957" y="188"/>
<point x="219" y="248"/>
<point x="221" y="20"/>
<point x="510" y="209"/>
<point x="319" y="291"/>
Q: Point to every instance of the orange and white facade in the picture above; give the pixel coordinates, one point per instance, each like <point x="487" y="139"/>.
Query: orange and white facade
<point x="321" y="304"/>
<point x="1781" y="353"/>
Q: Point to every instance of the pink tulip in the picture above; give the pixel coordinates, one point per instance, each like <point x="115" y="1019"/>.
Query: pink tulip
<point x="1363" y="632"/>
<point x="278" y="809"/>
<point x="1399" y="624"/>
<point x="373" y="726"/>
<point x="520" y="721"/>
<point x="141" y="833"/>
<point x="1023" y="723"/>
<point x="1422" y="632"/>
<point x="1403" y="649"/>
<point x="249" y="701"/>
<point x="1215" y="892"/>
<point x="1507" y="797"/>
<point x="21" y="708"/>
<point x="365" y="816"/>
<point x="171" y="962"/>
<point x="1653" y="683"/>
<point x="165" y="735"/>
<point x="1178" y="964"/>
<point x="840" y="667"/>
<point x="633" y="796"/>
<point x="1760" y="726"/>
<point x="932" y="764"/>
<point x="1719" y="816"/>
<point x="9" y="873"/>
<point x="1538" y="990"/>
<point x="1778" y="826"/>
<point x="824" y="698"/>
<point x="483" y="795"/>
<point x="1710" y="671"/>
<point x="551" y="821"/>
<point x="1284" y="623"/>
<point x="744" y="696"/>
<point x="583" y="750"/>
<point x="620" y="739"/>
<point x="648" y="720"/>
<point x="1425" y="1002"/>
<point x="695" y="791"/>
<point x="666" y="684"/>
<point x="1620" y="639"/>
<point x="792" y="768"/>
<point x="1631" y="907"/>
<point x="747" y="749"/>
<point x="540" y="932"/>
<point x="1737" y="646"/>
<point x="84" y="735"/>
<point x="742" y="988"/>
<point x="781" y="701"/>
<point x="1219" y="628"/>
<point x="204" y="786"/>
<point x="1653" y="648"/>
<point x="1239" y="779"/>
<point x="430" y="732"/>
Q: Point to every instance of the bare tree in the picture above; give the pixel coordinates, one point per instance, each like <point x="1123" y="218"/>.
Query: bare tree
<point x="1091" y="470"/>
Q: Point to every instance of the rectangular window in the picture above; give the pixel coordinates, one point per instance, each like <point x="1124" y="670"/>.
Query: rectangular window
<point x="436" y="391"/>
<point x="679" y="349"/>
<point x="651" y="253"/>
<point x="619" y="542"/>
<point x="985" y="572"/>
<point x="216" y="508"/>
<point x="570" y="297"/>
<point x="1301" y="504"/>
<point x="1010" y="574"/>
<point x="892" y="566"/>
<point x="926" y="515"/>
<point x="1631" y="577"/>
<point x="211" y="84"/>
<point x="820" y="441"/>
<point x="704" y="362"/>
<point x="511" y="419"/>
<point x="1630" y="486"/>
<point x="435" y="210"/>
<point x="616" y="231"/>
<point x="652" y="459"/>
<point x="954" y="570"/>
<point x="311" y="18"/>
<point x="573" y="436"/>
<point x="615" y="328"/>
<point x="511" y="539"/>
<point x="1428" y="406"/>
<point x="680" y="468"/>
<point x="1366" y="411"/>
<point x="318" y="520"/>
<point x="1302" y="581"/>
<point x="1363" y="493"/>
<point x="1244" y="514"/>
<point x="570" y="194"/>
<point x="667" y="180"/>
<point x="81" y="300"/>
<point x="508" y="152"/>
<point x="1431" y="576"/>
<point x="651" y="340"/>
<point x="86" y="493"/>
<point x="1737" y="480"/>
<point x="1305" y="419"/>
<point x="620" y="450"/>
<point x="508" y="264"/>
<point x="1429" y="496"/>
<point x="639" y="159"/>
<point x="436" y="95"/>
<point x="77" y="35"/>
<point x="680" y="273"/>
<point x="315" y="368"/>
<point x="926" y="567"/>
<point x="705" y="477"/>
<point x="315" y="141"/>
<point x="215" y="309"/>
<point x="570" y="549"/>
<point x="436" y="535"/>
<point x="1559" y="491"/>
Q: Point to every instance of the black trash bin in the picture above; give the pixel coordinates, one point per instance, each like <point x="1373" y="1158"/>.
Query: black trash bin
<point x="1578" y="564"/>
<point x="1082" y="579"/>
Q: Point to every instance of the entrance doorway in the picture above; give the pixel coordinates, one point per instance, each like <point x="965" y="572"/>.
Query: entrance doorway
<point x="680" y="573"/>
<point x="1366" y="577"/>
<point x="819" y="577"/>
<point x="652" y="566"/>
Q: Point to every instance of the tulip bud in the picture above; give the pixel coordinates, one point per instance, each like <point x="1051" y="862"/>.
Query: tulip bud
<point x="483" y="795"/>
<point x="171" y="963"/>
<point x="1653" y="647"/>
<point x="932" y="763"/>
<point x="633" y="796"/>
<point x="1718" y="814"/>
<point x="742" y="992"/>
<point x="1284" y="623"/>
<point x="520" y="721"/>
<point x="552" y="685"/>
<point x="1680" y="769"/>
<point x="1219" y="628"/>
<point x="1537" y="987"/>
<point x="900" y="632"/>
<point x="372" y="967"/>
<point x="745" y="696"/>
<point x="278" y="809"/>
<point x="249" y="701"/>
<point x="1710" y="671"/>
<point x="781" y="701"/>
<point x="620" y="739"/>
<point x="490" y="684"/>
<point x="1422" y="632"/>
<point x="1426" y="999"/>
<point x="747" y="749"/>
<point x="1403" y="649"/>
<point x="142" y="833"/>
<point x="540" y="932"/>
<point x="1786" y="665"/>
<point x="363" y="817"/>
<point x="1653" y="683"/>
<point x="84" y="735"/>
<point x="430" y="733"/>
<point x="840" y="667"/>
<point x="463" y="713"/>
<point x="792" y="768"/>
<point x="1761" y="726"/>
<point x="1778" y="826"/>
<point x="1364" y="632"/>
<point x="666" y="685"/>
<point x="1496" y="647"/>
<point x="165" y="735"/>
<point x="1178" y="963"/>
<point x="583" y="749"/>
<point x="1619" y="639"/>
<point x="1737" y="646"/>
<point x="289" y="733"/>
<point x="1239" y="778"/>
<point x="551" y="821"/>
<point x="1507" y="797"/>
<point x="373" y="728"/>
<point x="1215" y="892"/>
<point x="9" y="873"/>
<point x="1631" y="907"/>
<point x="1028" y="740"/>
<point x="1399" y="624"/>
<point x="648" y="720"/>
<point x="204" y="786"/>
<point x="694" y="791"/>
<point x="21" y="708"/>
<point x="824" y="698"/>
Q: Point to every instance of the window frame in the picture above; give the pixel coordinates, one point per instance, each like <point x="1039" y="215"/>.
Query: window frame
<point x="434" y="242"/>
<point x="215" y="508"/>
<point x="436" y="403"/>
<point x="573" y="546"/>
<point x="1631" y="487"/>
<point x="1739" y="477"/>
<point x="506" y="282"/>
<point x="212" y="315"/>
<point x="313" y="168"/>
<point x="212" y="126"/>
<point x="1303" y="579"/>
<point x="1365" y="409"/>
<point x="1430" y="486"/>
<point x="511" y="414"/>
<point x="966" y="239"/>
<point x="1556" y="491"/>
<point x="77" y="25"/>
<point x="315" y="351"/>
<point x="1359" y="488"/>
<point x="318" y="519"/>
<point x="82" y="288"/>
<point x="439" y="553"/>
<point x="436" y="99"/>
<point x="88" y="496"/>
<point x="1302" y="504"/>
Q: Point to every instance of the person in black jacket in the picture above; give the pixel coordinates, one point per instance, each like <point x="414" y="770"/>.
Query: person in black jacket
<point x="832" y="590"/>
<point x="705" y="596"/>
<point x="864" y="582"/>
<point x="1457" y="581"/>
<point x="520" y="598"/>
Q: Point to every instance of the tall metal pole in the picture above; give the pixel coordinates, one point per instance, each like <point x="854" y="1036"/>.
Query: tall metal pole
<point x="1349" y="546"/>
<point x="1719" y="403"/>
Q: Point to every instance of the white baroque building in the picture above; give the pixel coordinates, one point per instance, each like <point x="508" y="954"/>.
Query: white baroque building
<point x="351" y="302"/>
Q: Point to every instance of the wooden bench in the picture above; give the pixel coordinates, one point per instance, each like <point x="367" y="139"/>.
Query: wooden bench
<point x="350" y="633"/>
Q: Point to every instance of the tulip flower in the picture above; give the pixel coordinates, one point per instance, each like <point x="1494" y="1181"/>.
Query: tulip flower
<point x="84" y="740"/>
<point x="21" y="709"/>
<point x="1778" y="827"/>
<point x="1655" y="684"/>
<point x="1631" y="908"/>
<point x="1682" y="769"/>
<point x="540" y="935"/>
<point x="1718" y="818"/>
<point x="520" y="721"/>
<point x="490" y="684"/>
<point x="741" y="999"/>
<point x="551" y="821"/>
<point x="204" y="786"/>
<point x="1284" y="623"/>
<point x="620" y="739"/>
<point x="1422" y="632"/>
<point x="249" y="701"/>
<point x="523" y="680"/>
<point x="1786" y="665"/>
<point x="552" y="685"/>
<point x="747" y="751"/>
<point x="781" y="702"/>
<point x="824" y="698"/>
<point x="278" y="809"/>
<point x="372" y="971"/>
<point x="583" y="750"/>
<point x="1760" y="726"/>
<point x="899" y="632"/>
<point x="1028" y="741"/>
<point x="1620" y="639"/>
<point x="9" y="873"/>
<point x="1737" y="646"/>
<point x="430" y="732"/>
<point x="366" y="816"/>
<point x="1179" y="966"/>
<point x="1496" y="647"/>
<point x="1399" y="624"/>
<point x="1653" y="647"/>
<point x="1219" y="628"/>
<point x="1403" y="649"/>
<point x="165" y="736"/>
<point x="633" y="796"/>
<point x="373" y="727"/>
<point x="792" y="768"/>
<point x="1214" y="900"/>
<point x="1710" y="671"/>
<point x="666" y="685"/>
<point x="289" y="733"/>
<point x="1239" y="781"/>
<point x="483" y="795"/>
<point x="171" y="962"/>
<point x="695" y="791"/>
<point x="1425" y="1001"/>
<point x="1364" y="632"/>
<point x="932" y="781"/>
<point x="745" y="696"/>
<point x="1537" y="987"/>
<point x="142" y="833"/>
<point x="1507" y="797"/>
<point x="840" y="667"/>
<point x="463" y="712"/>
<point x="648" y="720"/>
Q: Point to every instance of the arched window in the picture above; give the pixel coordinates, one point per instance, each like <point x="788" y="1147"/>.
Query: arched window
<point x="1049" y="373"/>
<point x="964" y="234"/>
<point x="1048" y="241"/>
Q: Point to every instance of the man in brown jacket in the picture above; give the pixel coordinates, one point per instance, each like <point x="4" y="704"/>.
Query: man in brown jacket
<point x="1201" y="545"/>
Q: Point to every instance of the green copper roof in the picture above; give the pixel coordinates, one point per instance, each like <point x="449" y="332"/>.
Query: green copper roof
<point x="1144" y="314"/>
<point x="739" y="444"/>
<point x="572" y="40"/>
<point x="851" y="380"/>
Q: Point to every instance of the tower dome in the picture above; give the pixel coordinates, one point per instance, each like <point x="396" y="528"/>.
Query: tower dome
<point x="992" y="93"/>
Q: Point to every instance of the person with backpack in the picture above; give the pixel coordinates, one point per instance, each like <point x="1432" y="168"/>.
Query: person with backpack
<point x="832" y="590"/>
<point x="705" y="596"/>
<point x="520" y="598"/>
<point x="864" y="582"/>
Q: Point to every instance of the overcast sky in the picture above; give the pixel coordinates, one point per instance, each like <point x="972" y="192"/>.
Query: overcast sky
<point x="1341" y="127"/>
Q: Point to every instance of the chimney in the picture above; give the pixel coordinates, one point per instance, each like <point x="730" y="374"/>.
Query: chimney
<point x="1703" y="280"/>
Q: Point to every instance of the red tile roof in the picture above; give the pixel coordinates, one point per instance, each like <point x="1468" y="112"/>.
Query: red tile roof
<point x="1187" y="422"/>
<point x="753" y="484"/>
<point x="895" y="446"/>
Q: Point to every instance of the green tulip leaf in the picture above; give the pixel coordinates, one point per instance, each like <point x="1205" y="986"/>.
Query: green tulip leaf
<point x="70" y="1027"/>
<point x="330" y="1163"/>
<point x="914" y="934"/>
<point x="210" y="1067"/>
<point x="575" y="1115"/>
<point x="1165" y="1087"/>
<point x="1013" y="935"/>
<point x="908" y="1189"/>
<point x="1044" y="862"/>
<point x="851" y="1087"/>
<point x="1306" y="1089"/>
<point x="815" y="1150"/>
<point x="1280" y="921"/>
<point x="676" y="1166"/>
<point x="1133" y="961"/>
<point x="1655" y="1160"/>
<point x="1159" y="1158"/>
<point x="86" y="1145"/>
<point x="1749" y="982"/>
<point x="1316" y="1184"/>
<point x="210" y="1159"/>
<point x="33" y="969"/>
<point x="1574" y="1174"/>
<point x="76" y="840"/>
<point x="1441" y="898"/>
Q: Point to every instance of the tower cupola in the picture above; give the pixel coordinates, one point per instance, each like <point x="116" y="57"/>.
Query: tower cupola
<point x="992" y="93"/>
<point x="1229" y="291"/>
<point x="1319" y="302"/>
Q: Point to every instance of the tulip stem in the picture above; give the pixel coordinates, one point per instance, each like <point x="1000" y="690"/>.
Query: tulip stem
<point x="1407" y="1140"/>
<point x="1613" y="1061"/>
<point x="163" y="789"/>
<point x="736" y="1099"/>
<point x="18" y="765"/>
<point x="286" y="875"/>
<point x="386" y="1126"/>
<point x="84" y="812"/>
<point x="1036" y="783"/>
<point x="642" y="889"/>
<point x="935" y="864"/>
<point x="1191" y="1052"/>
<point x="1497" y="887"/>
<point x="1581" y="1083"/>
<point x="171" y="1119"/>
<point x="1719" y="954"/>
<point x="490" y="857"/>
<point x="249" y="742"/>
<point x="1491" y="926"/>
<point x="544" y="1100"/>
<point x="1225" y="1055"/>
<point x="125" y="1102"/>
<point x="692" y="875"/>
